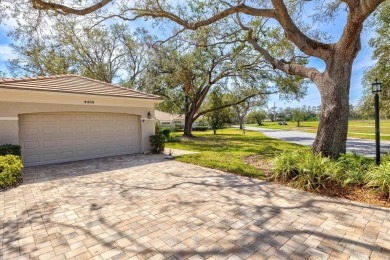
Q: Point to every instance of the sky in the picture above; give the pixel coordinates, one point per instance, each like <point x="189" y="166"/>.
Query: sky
<point x="362" y="62"/>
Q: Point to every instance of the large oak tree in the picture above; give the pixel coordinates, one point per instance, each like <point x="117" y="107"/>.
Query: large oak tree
<point x="333" y="83"/>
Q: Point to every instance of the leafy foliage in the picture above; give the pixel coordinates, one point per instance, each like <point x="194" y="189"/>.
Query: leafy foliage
<point x="305" y="169"/>
<point x="257" y="116"/>
<point x="218" y="118"/>
<point x="75" y="47"/>
<point x="285" y="166"/>
<point x="157" y="143"/>
<point x="379" y="179"/>
<point x="165" y="132"/>
<point x="381" y="69"/>
<point x="12" y="149"/>
<point x="10" y="170"/>
<point x="310" y="171"/>
<point x="298" y="115"/>
<point x="355" y="168"/>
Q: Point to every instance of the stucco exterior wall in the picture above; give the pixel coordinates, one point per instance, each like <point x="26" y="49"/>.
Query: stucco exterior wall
<point x="14" y="103"/>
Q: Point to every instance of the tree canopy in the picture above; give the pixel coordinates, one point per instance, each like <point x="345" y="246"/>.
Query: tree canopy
<point x="381" y="69"/>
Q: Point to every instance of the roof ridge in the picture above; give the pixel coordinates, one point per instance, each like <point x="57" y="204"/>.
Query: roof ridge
<point x="25" y="80"/>
<point x="35" y="78"/>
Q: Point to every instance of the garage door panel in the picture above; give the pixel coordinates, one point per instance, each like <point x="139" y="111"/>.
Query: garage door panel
<point x="67" y="155"/>
<point x="69" y="142"/>
<point x="81" y="129"/>
<point x="31" y="159"/>
<point x="49" y="143"/>
<point x="66" y="130"/>
<point x="31" y="132"/>
<point x="61" y="137"/>
<point x="50" y="157"/>
<point x="50" y="130"/>
<point x="31" y="144"/>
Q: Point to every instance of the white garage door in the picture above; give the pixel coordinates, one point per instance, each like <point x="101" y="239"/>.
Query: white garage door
<point x="63" y="137"/>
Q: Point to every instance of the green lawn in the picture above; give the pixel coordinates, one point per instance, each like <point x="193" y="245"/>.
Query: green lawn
<point x="357" y="128"/>
<point x="226" y="150"/>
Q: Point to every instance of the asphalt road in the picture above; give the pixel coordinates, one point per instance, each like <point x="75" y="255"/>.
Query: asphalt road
<point x="359" y="146"/>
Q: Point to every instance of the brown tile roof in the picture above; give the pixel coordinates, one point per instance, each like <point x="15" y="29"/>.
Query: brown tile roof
<point x="73" y="84"/>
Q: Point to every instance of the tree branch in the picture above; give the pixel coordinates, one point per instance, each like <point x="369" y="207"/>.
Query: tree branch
<point x="232" y="104"/>
<point x="63" y="9"/>
<point x="359" y="11"/>
<point x="291" y="69"/>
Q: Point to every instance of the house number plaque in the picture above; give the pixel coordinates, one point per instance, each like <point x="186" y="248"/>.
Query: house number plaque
<point x="89" y="101"/>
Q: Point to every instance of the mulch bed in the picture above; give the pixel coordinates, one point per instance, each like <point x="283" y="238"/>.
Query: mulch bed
<point x="355" y="193"/>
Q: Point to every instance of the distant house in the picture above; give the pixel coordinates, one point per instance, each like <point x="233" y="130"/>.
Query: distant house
<point x="168" y="120"/>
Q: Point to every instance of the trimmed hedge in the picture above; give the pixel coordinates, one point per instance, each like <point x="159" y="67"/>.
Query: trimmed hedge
<point x="10" y="170"/>
<point x="158" y="143"/>
<point x="10" y="149"/>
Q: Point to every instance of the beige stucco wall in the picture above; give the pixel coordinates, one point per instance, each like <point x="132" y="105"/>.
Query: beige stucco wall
<point x="16" y="102"/>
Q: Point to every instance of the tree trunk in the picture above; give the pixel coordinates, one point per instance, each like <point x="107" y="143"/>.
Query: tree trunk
<point x="215" y="131"/>
<point x="333" y="126"/>
<point x="188" y="121"/>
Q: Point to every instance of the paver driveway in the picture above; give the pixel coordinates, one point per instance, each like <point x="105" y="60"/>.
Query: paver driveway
<point x="147" y="208"/>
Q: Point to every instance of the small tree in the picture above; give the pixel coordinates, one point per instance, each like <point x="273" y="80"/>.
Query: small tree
<point x="218" y="119"/>
<point x="257" y="116"/>
<point x="298" y="115"/>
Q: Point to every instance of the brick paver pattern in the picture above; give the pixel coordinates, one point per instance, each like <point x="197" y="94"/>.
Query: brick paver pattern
<point x="145" y="207"/>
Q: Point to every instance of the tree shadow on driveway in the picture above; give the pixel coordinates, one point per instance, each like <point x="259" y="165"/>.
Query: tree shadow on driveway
<point x="173" y="210"/>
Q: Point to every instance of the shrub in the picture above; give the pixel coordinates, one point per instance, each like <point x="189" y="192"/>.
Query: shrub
<point x="10" y="149"/>
<point x="165" y="132"/>
<point x="158" y="143"/>
<point x="379" y="179"/>
<point x="200" y="128"/>
<point x="10" y="170"/>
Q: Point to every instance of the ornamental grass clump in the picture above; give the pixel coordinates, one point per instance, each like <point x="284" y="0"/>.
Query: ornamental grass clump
<point x="306" y="170"/>
<point x="285" y="166"/>
<point x="354" y="169"/>
<point x="316" y="171"/>
<point x="378" y="178"/>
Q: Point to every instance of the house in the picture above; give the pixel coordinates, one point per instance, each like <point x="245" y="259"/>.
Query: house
<point x="168" y="120"/>
<point x="69" y="118"/>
